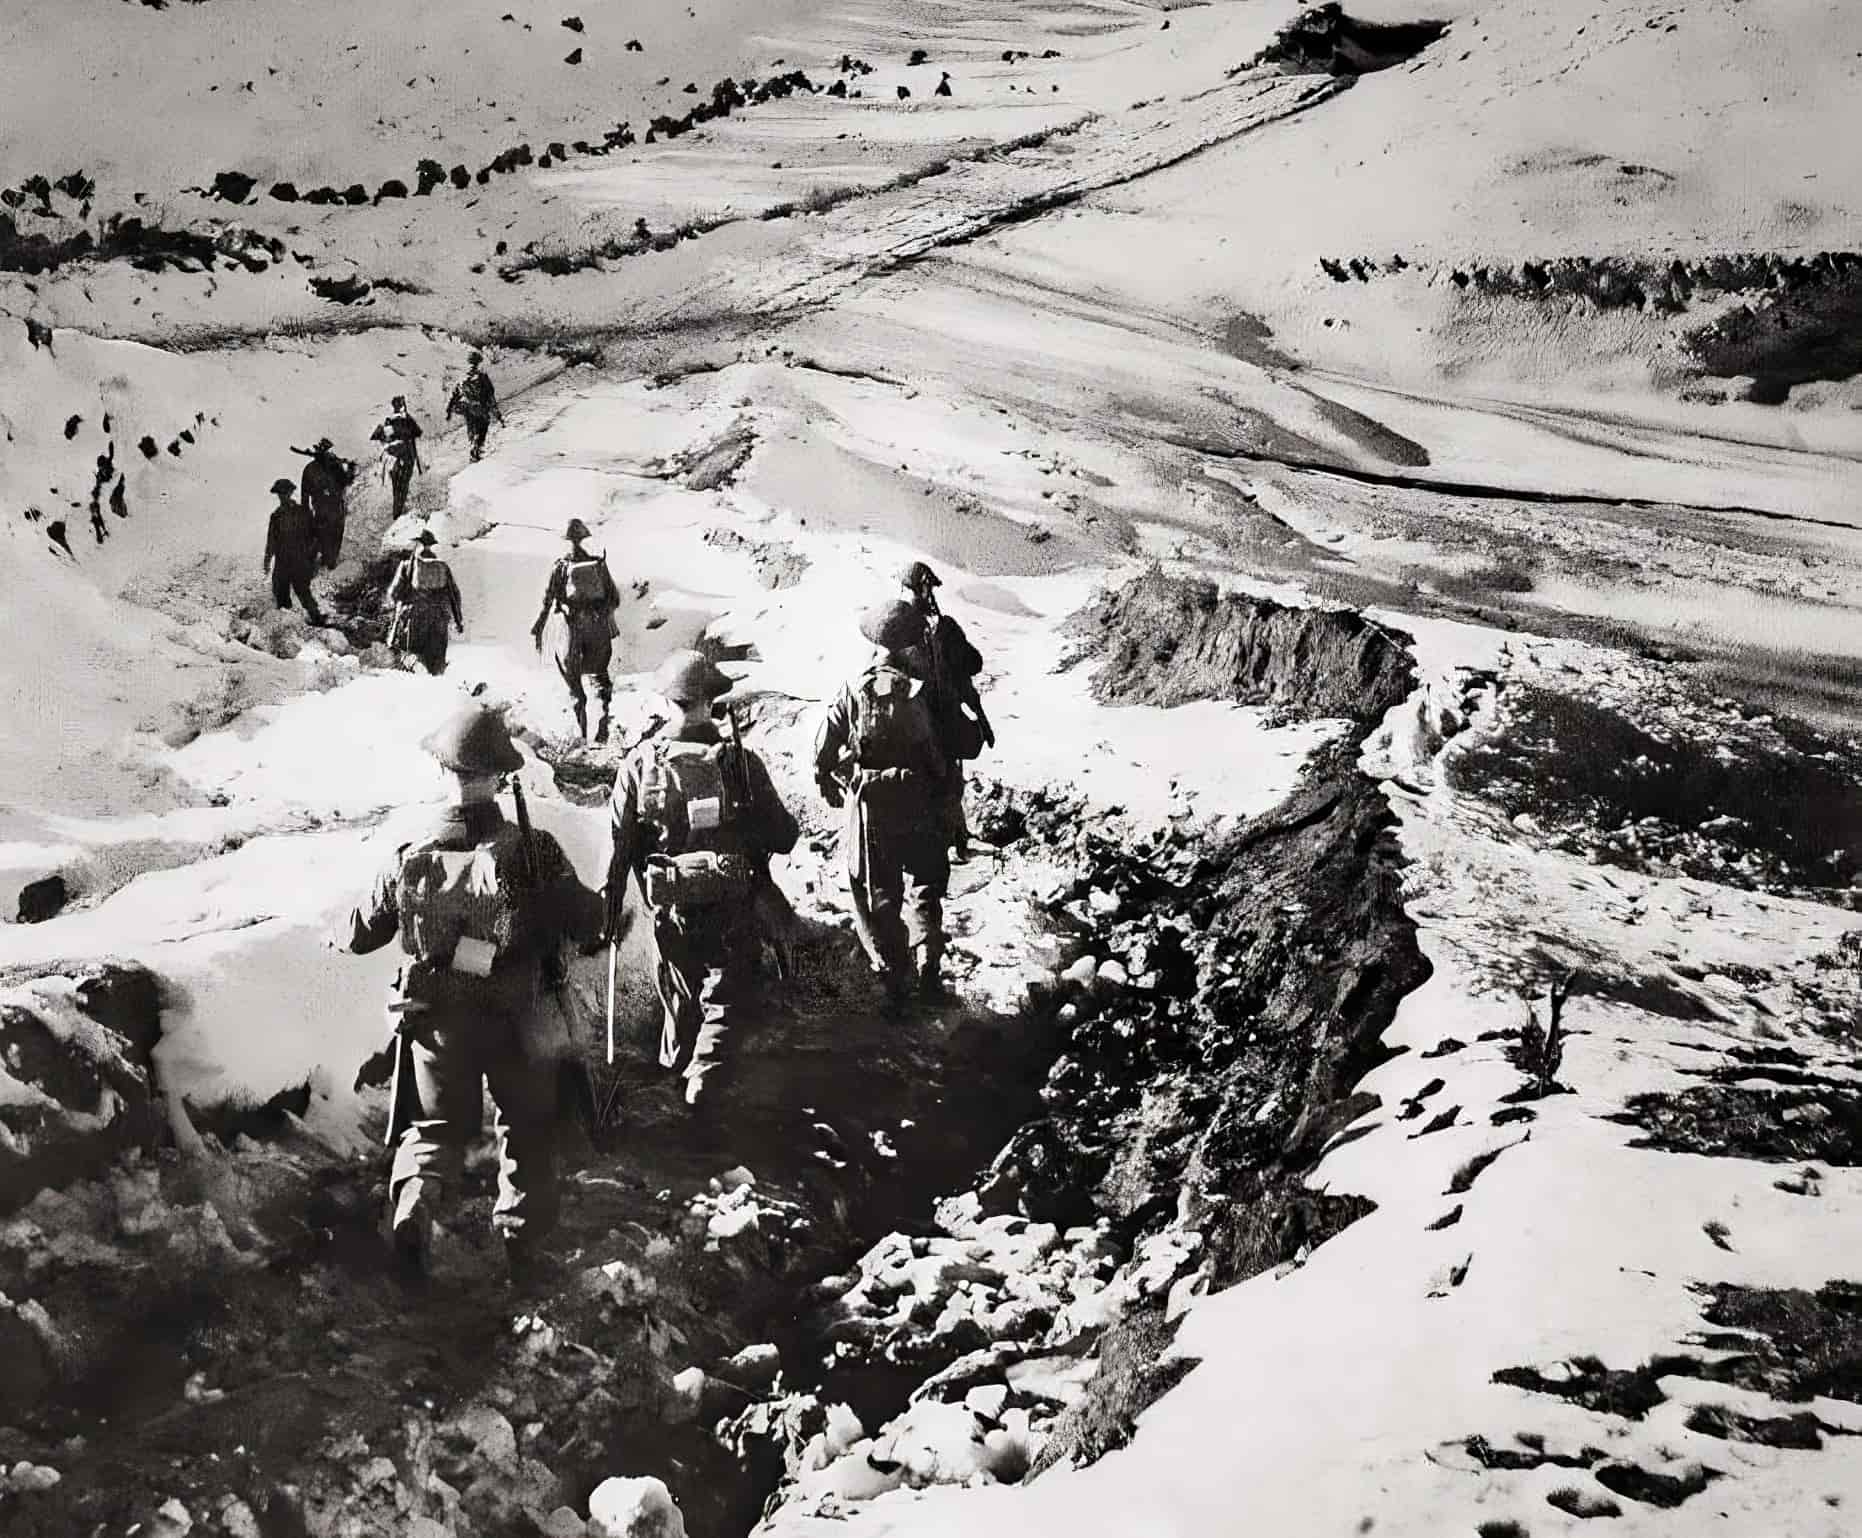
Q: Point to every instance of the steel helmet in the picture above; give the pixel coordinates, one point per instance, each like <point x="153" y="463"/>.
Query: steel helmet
<point x="576" y="530"/>
<point x="917" y="577"/>
<point x="474" y="741"/>
<point x="686" y="677"/>
<point x="282" y="488"/>
<point x="894" y="625"/>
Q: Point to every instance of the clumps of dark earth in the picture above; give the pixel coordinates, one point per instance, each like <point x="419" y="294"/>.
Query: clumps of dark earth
<point x="1325" y="40"/>
<point x="1800" y="325"/>
<point x="1788" y="1344"/>
<point x="1692" y="787"/>
<point x="222" y="1298"/>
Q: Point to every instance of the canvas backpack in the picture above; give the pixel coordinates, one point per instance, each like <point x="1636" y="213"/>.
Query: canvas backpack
<point x="448" y="896"/>
<point x="431" y="574"/>
<point x="698" y="856"/>
<point x="584" y="580"/>
<point x="889" y="722"/>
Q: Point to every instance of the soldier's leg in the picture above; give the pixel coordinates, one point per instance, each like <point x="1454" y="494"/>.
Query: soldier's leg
<point x="569" y="669"/>
<point x="604" y="692"/>
<point x="281" y="586"/>
<point x="431" y="1154"/>
<point x="523" y="1096"/>
<point x="928" y="866"/>
<point x="728" y="954"/>
<point x="476" y="428"/>
<point x="300" y="585"/>
<point x="400" y="478"/>
<point x="678" y="974"/>
<point x="957" y="827"/>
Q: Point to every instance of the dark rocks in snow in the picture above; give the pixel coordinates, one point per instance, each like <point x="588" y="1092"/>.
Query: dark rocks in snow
<point x="95" y="1084"/>
<point x="233" y="186"/>
<point x="55" y="532"/>
<point x="1327" y="41"/>
<point x="573" y="23"/>
<point x="633" y="45"/>
<point x="284" y="192"/>
<point x="460" y="177"/>
<point x="394" y="187"/>
<point x="323" y="196"/>
<point x="905" y="93"/>
<point x="918" y="56"/>
<point x="428" y="175"/>
<point x="355" y="195"/>
<point x="348" y="289"/>
<point x="38" y="334"/>
<point x="573" y="57"/>
<point x="72" y="424"/>
<point x="42" y="899"/>
<point x="943" y="87"/>
<point x="147" y="445"/>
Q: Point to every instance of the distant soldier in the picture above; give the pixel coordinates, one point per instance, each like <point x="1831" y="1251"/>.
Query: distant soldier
<point x="425" y="599"/>
<point x="481" y="912"/>
<point x="325" y="490"/>
<point x="696" y="818"/>
<point x="878" y="752"/>
<point x="581" y="590"/>
<point x="476" y="400"/>
<point x="948" y="664"/>
<point x="399" y="437"/>
<point x="291" y="551"/>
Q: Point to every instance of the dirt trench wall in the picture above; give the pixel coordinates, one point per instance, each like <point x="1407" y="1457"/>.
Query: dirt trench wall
<point x="1169" y="640"/>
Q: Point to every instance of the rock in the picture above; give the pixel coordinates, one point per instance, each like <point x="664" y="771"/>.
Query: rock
<point x="426" y="1527"/>
<point x="30" y="1478"/>
<point x="563" y="1522"/>
<point x="754" y="1369"/>
<point x="987" y="1401"/>
<point x="633" y="1508"/>
<point x="173" y="1520"/>
<point x="688" y="1392"/>
<point x="43" y="899"/>
<point x="1082" y="972"/>
<point x="736" y="1177"/>
<point x="1112" y="974"/>
<point x="238" y="1520"/>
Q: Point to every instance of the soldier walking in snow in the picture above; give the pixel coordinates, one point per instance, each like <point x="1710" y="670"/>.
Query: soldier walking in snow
<point x="325" y="490"/>
<point x="481" y="908"/>
<point x="696" y="818"/>
<point x="582" y="594"/>
<point x="425" y="599"/>
<point x="878" y="752"/>
<point x="948" y="664"/>
<point x="476" y="400"/>
<point x="291" y="552"/>
<point x="399" y="437"/>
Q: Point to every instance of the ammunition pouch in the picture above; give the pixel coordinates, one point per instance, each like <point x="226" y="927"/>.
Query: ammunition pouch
<point x="701" y="879"/>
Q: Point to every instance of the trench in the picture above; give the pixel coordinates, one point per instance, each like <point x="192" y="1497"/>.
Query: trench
<point x="1263" y="967"/>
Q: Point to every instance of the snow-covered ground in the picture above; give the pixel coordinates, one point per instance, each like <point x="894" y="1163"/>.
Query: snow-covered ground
<point x="1156" y="368"/>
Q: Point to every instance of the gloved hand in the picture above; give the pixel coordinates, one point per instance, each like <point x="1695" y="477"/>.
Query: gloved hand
<point x="989" y="736"/>
<point x="536" y="637"/>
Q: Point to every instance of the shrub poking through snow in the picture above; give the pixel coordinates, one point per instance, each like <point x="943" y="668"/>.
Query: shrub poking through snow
<point x="1541" y="1048"/>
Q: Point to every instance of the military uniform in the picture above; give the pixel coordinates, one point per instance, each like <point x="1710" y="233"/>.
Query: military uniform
<point x="697" y="818"/>
<point x="399" y="437"/>
<point x="324" y="489"/>
<point x="291" y="552"/>
<point x="878" y="749"/>
<point x="426" y="601"/>
<point x="581" y="594"/>
<point x="477" y="923"/>
<point x="476" y="399"/>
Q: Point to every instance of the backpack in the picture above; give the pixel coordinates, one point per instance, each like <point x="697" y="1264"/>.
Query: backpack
<point x="698" y="857"/>
<point x="448" y="897"/>
<point x="889" y="724"/>
<point x="585" y="581"/>
<point x="430" y="574"/>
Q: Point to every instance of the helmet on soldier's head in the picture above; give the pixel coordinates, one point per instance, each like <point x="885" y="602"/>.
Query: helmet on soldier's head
<point x="425" y="537"/>
<point x="475" y="357"/>
<point x="894" y="625"/>
<point x="399" y="400"/>
<point x="281" y="487"/>
<point x="689" y="677"/>
<point x="474" y="742"/>
<point x="322" y="446"/>
<point x="576" y="530"/>
<point x="917" y="577"/>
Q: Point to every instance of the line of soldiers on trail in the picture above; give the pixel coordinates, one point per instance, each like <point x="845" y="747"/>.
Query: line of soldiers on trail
<point x="306" y="528"/>
<point x="483" y="908"/>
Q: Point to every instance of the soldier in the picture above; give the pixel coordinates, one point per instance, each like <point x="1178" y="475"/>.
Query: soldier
<point x="475" y="399"/>
<point x="325" y="490"/>
<point x="481" y="910"/>
<point x="291" y="551"/>
<point x="425" y="598"/>
<point x="879" y="743"/>
<point x="696" y="819"/>
<point x="399" y="436"/>
<point x="948" y="664"/>
<point x="581" y="589"/>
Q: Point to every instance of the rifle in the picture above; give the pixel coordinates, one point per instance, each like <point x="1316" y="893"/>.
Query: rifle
<point x="581" y="1083"/>
<point x="312" y="454"/>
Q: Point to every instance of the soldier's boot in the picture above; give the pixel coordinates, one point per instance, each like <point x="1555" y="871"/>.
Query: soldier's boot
<point x="523" y="1262"/>
<point x="930" y="969"/>
<point x="412" y="1235"/>
<point x="581" y="719"/>
<point x="601" y="726"/>
<point x="897" y="994"/>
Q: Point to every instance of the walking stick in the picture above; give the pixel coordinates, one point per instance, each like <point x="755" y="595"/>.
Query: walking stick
<point x="613" y="950"/>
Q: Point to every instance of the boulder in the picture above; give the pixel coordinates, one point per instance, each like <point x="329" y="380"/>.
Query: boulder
<point x="43" y="899"/>
<point x="634" y="1508"/>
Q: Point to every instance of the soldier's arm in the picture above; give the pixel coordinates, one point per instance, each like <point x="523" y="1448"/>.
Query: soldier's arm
<point x="452" y="597"/>
<point x="624" y="848"/>
<point x="776" y="829"/>
<point x="271" y="541"/>
<point x="552" y="595"/>
<point x="830" y="744"/>
<point x="574" y="912"/>
<point x="613" y="592"/>
<point x="403" y="581"/>
<point x="373" y="925"/>
<point x="963" y="658"/>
